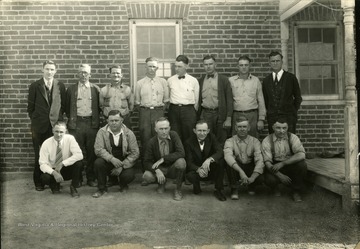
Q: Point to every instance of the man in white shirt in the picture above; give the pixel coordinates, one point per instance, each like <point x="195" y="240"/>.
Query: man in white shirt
<point x="60" y="159"/>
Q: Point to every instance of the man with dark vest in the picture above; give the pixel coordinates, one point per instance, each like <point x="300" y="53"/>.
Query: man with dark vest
<point x="46" y="105"/>
<point x="117" y="151"/>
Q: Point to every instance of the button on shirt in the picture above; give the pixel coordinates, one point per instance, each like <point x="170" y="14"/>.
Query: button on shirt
<point x="84" y="100"/>
<point x="244" y="151"/>
<point x="116" y="137"/>
<point x="248" y="94"/>
<point x="117" y="97"/>
<point x="184" y="91"/>
<point x="151" y="92"/>
<point x="210" y="92"/>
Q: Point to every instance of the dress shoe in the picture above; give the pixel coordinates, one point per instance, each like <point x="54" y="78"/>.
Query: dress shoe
<point x="197" y="188"/>
<point x="124" y="188"/>
<point x="39" y="188"/>
<point x="74" y="192"/>
<point x="178" y="195"/>
<point x="161" y="188"/>
<point x="251" y="191"/>
<point x="234" y="194"/>
<point x="55" y="189"/>
<point x="92" y="183"/>
<point x="219" y="195"/>
<point x="296" y="197"/>
<point x="99" y="193"/>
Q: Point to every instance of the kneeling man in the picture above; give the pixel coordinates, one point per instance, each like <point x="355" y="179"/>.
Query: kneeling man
<point x="117" y="151"/>
<point x="60" y="159"/>
<point x="164" y="157"/>
<point x="205" y="159"/>
<point x="284" y="158"/>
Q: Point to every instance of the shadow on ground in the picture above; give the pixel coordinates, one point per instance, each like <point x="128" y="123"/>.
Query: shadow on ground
<point x="33" y="219"/>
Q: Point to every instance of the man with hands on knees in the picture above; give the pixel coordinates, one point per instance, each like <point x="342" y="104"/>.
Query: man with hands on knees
<point x="117" y="151"/>
<point x="60" y="159"/>
<point x="164" y="157"/>
<point x="284" y="158"/>
<point x="242" y="153"/>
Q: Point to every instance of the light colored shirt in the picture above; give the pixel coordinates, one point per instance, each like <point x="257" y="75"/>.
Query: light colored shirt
<point x="151" y="92"/>
<point x="244" y="151"/>
<point x="48" y="83"/>
<point x="116" y="137"/>
<point x="84" y="100"/>
<point x="248" y="94"/>
<point x="210" y="92"/>
<point x="117" y="97"/>
<point x="184" y="91"/>
<point x="71" y="153"/>
<point x="279" y="74"/>
<point x="164" y="146"/>
<point x="201" y="145"/>
<point x="281" y="149"/>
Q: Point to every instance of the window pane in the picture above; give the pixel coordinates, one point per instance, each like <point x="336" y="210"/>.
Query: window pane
<point x="156" y="34"/>
<point x="304" y="85"/>
<point x="327" y="71"/>
<point x="304" y="72"/>
<point x="316" y="86"/>
<point x="142" y="35"/>
<point x="320" y="51"/>
<point x="315" y="35"/>
<point x="303" y="52"/>
<point x="169" y="51"/>
<point x="156" y="50"/>
<point x="141" y="70"/>
<point x="143" y="50"/>
<point x="329" y="35"/>
<point x="314" y="72"/>
<point x="303" y="35"/>
<point x="169" y="35"/>
<point x="330" y="86"/>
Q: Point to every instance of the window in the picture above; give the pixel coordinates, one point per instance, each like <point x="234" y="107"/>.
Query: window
<point x="317" y="57"/>
<point x="158" y="38"/>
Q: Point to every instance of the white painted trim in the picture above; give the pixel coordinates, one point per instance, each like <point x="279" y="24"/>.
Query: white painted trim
<point x="323" y="102"/>
<point x="302" y="4"/>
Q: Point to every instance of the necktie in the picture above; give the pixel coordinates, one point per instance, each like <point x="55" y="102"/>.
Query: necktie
<point x="59" y="157"/>
<point x="163" y="148"/>
<point x="201" y="142"/>
<point x="210" y="76"/>
<point x="48" y="91"/>
<point x="181" y="77"/>
<point x="276" y="79"/>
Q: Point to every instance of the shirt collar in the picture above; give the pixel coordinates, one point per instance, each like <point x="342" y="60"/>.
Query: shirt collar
<point x="109" y="130"/>
<point x="248" y="78"/>
<point x="168" y="138"/>
<point x="246" y="140"/>
<point x="56" y="142"/>
<point x="86" y="84"/>
<point x="279" y="74"/>
<point x="275" y="138"/>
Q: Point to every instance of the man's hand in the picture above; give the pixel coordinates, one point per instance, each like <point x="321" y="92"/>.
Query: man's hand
<point x="160" y="176"/>
<point x="283" y="178"/>
<point x="58" y="177"/>
<point x="157" y="164"/>
<point x="116" y="162"/>
<point x="206" y="164"/>
<point x="59" y="167"/>
<point x="227" y="123"/>
<point x="260" y="125"/>
<point x="251" y="179"/>
<point x="116" y="171"/>
<point x="202" y="172"/>
<point x="276" y="167"/>
<point x="244" y="180"/>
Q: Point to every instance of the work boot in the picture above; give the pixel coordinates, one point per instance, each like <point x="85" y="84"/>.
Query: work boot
<point x="178" y="195"/>
<point x="74" y="192"/>
<point x="161" y="188"/>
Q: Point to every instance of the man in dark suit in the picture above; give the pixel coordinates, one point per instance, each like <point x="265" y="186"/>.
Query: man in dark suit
<point x="204" y="159"/>
<point x="46" y="104"/>
<point x="281" y="94"/>
<point x="215" y="100"/>
<point x="164" y="157"/>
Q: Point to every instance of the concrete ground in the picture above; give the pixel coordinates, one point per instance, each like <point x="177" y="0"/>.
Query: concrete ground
<point x="141" y="218"/>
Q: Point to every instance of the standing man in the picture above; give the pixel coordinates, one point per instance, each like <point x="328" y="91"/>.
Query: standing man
<point x="184" y="99"/>
<point x="205" y="159"/>
<point x="117" y="96"/>
<point x="242" y="153"/>
<point x="281" y="93"/>
<point x="83" y="112"/>
<point x="117" y="151"/>
<point x="60" y="159"/>
<point x="164" y="157"/>
<point x="284" y="158"/>
<point x="152" y="95"/>
<point x="216" y="100"/>
<point x="46" y="105"/>
<point x="248" y="97"/>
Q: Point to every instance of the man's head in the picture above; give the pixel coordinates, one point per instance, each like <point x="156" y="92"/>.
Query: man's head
<point x="162" y="127"/>
<point x="151" y="66"/>
<point x="49" y="70"/>
<point x="276" y="61"/>
<point x="201" y="129"/>
<point x="209" y="63"/>
<point x="59" y="130"/>
<point x="244" y="65"/>
<point x="84" y="73"/>
<point x="242" y="126"/>
<point x="181" y="65"/>
<point x="280" y="127"/>
<point x="115" y="74"/>
<point x="115" y="120"/>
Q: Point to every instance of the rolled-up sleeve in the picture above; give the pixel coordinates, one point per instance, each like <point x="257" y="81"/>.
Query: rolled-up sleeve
<point x="258" y="158"/>
<point x="266" y="149"/>
<point x="229" y="152"/>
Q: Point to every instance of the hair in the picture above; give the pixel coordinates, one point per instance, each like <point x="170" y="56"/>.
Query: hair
<point x="85" y="65"/>
<point x="183" y="58"/>
<point x="60" y="123"/>
<point x="49" y="62"/>
<point x="208" y="57"/>
<point x="281" y="120"/>
<point x="201" y="121"/>
<point x="161" y="119"/>
<point x="275" y="53"/>
<point x="151" y="59"/>
<point x="114" y="66"/>
<point x="114" y="113"/>
<point x="241" y="119"/>
<point x="244" y="57"/>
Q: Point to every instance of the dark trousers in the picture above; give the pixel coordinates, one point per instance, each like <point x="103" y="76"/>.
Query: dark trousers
<point x="216" y="174"/>
<point x="38" y="139"/>
<point x="103" y="169"/>
<point x="248" y="169"/>
<point x="71" y="172"/>
<point x="85" y="136"/>
<point x="291" y="121"/>
<point x="296" y="172"/>
<point x="215" y="124"/>
<point x="182" y="120"/>
<point x="147" y="118"/>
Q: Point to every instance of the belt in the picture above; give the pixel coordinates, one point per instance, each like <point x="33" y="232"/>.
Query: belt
<point x="152" y="107"/>
<point x="182" y="104"/>
<point x="210" y="109"/>
<point x="84" y="117"/>
<point x="248" y="111"/>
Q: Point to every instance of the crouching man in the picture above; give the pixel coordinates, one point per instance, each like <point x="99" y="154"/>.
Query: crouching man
<point x="117" y="151"/>
<point x="60" y="159"/>
<point x="164" y="157"/>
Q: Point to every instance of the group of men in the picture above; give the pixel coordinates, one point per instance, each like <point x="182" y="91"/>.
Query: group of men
<point x="216" y="120"/>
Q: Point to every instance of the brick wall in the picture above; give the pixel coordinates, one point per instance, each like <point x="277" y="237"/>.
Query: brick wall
<point x="97" y="32"/>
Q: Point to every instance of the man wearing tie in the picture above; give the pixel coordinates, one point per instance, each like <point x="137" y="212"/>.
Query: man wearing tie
<point x="281" y="93"/>
<point x="46" y="105"/>
<point x="184" y="99"/>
